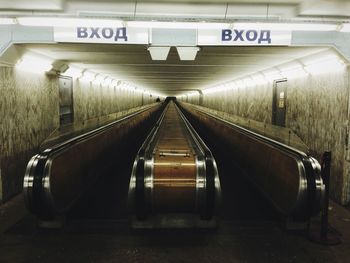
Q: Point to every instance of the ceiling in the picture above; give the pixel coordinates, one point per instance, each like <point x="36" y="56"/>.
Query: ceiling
<point x="133" y="63"/>
<point x="212" y="66"/>
<point x="182" y="9"/>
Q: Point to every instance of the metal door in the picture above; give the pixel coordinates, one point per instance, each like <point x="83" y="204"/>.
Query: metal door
<point x="200" y="98"/>
<point x="279" y="103"/>
<point x="65" y="87"/>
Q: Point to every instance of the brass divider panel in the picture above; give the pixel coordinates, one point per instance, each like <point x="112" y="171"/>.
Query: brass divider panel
<point x="174" y="174"/>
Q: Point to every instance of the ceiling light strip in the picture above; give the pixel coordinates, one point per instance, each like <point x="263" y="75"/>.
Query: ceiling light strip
<point x="76" y="22"/>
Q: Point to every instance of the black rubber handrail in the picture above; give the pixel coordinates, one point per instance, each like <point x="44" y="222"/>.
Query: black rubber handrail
<point x="35" y="171"/>
<point x="146" y="152"/>
<point x="310" y="164"/>
<point x="92" y="133"/>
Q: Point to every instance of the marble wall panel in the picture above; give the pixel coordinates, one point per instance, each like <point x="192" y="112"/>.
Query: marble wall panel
<point x="92" y="100"/>
<point x="29" y="113"/>
<point x="317" y="111"/>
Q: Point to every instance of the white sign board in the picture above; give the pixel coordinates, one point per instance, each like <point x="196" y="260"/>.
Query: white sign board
<point x="102" y="35"/>
<point x="205" y="37"/>
<point x="243" y="37"/>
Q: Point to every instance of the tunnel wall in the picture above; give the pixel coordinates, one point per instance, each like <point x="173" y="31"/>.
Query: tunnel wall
<point x="92" y="100"/>
<point x="29" y="110"/>
<point x="29" y="113"/>
<point x="317" y="111"/>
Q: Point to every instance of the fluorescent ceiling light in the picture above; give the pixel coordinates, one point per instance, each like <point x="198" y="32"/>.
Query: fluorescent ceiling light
<point x="99" y="79"/>
<point x="122" y="85"/>
<point x="68" y="22"/>
<point x="325" y="67"/>
<point x="216" y="89"/>
<point x="313" y="65"/>
<point x="187" y="53"/>
<point x="139" y="90"/>
<point x="345" y="27"/>
<point x="258" y="79"/>
<point x="59" y="66"/>
<point x="159" y="53"/>
<point x="115" y="82"/>
<point x="249" y="82"/>
<point x="295" y="73"/>
<point x="272" y="74"/>
<point x="207" y="91"/>
<point x="177" y="25"/>
<point x="108" y="81"/>
<point x="287" y="26"/>
<point x="34" y="64"/>
<point x="320" y="58"/>
<point x="88" y="76"/>
<point x="7" y="21"/>
<point x="193" y="93"/>
<point x="293" y="70"/>
<point x="74" y="22"/>
<point x="211" y="91"/>
<point x="127" y="86"/>
<point x="239" y="83"/>
<point x="74" y="72"/>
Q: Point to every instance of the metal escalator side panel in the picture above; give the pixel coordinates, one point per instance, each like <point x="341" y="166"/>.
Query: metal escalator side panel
<point x="179" y="173"/>
<point x="96" y="131"/>
<point x="210" y="193"/>
<point x="201" y="186"/>
<point x="149" y="182"/>
<point x="141" y="183"/>
<point x="69" y="173"/>
<point x="319" y="197"/>
<point x="286" y="177"/>
<point x="31" y="184"/>
<point x="56" y="178"/>
<point x="132" y="201"/>
<point x="72" y="170"/>
<point x="174" y="167"/>
<point x="217" y="184"/>
<point x="140" y="188"/>
<point x="315" y="186"/>
<point x="174" y="184"/>
<point x="33" y="187"/>
<point x="210" y="187"/>
<point x="311" y="190"/>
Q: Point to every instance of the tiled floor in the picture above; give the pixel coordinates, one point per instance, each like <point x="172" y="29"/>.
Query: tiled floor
<point x="98" y="231"/>
<point x="113" y="241"/>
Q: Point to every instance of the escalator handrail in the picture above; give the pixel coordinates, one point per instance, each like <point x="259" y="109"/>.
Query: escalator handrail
<point x="89" y="134"/>
<point x="310" y="170"/>
<point x="36" y="171"/>
<point x="260" y="137"/>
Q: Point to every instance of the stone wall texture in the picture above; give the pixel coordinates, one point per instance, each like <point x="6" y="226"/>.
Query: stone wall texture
<point x="317" y="111"/>
<point x="92" y="100"/>
<point x="29" y="114"/>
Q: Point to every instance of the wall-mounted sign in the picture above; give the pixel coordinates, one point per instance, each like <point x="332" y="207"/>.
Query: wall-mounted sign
<point x="243" y="37"/>
<point x="205" y="37"/>
<point x="103" y="35"/>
